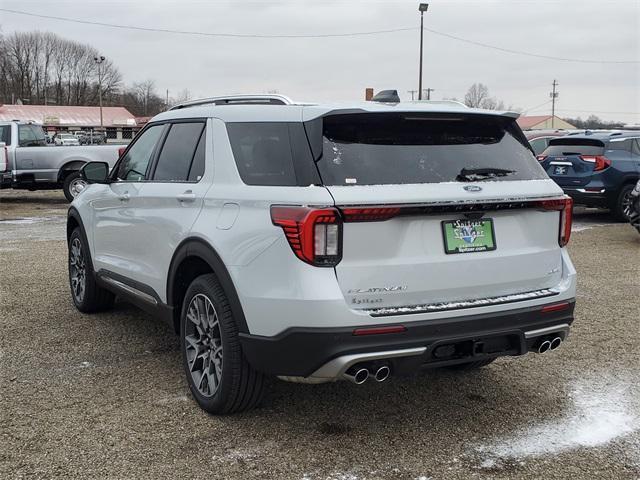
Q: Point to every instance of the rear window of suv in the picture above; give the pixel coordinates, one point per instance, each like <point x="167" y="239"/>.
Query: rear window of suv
<point x="410" y="148"/>
<point x="574" y="146"/>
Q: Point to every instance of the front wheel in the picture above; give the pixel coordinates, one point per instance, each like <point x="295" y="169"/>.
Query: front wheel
<point x="87" y="295"/>
<point x="219" y="376"/>
<point x="73" y="184"/>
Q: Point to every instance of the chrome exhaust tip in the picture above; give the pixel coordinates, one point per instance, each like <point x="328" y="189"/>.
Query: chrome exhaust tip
<point x="382" y="373"/>
<point x="555" y="343"/>
<point x="358" y="376"/>
<point x="544" y="346"/>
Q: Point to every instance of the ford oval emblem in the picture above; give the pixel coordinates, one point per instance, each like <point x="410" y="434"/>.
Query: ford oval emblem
<point x="472" y="188"/>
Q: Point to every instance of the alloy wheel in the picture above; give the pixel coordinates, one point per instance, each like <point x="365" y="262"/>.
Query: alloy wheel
<point x="78" y="271"/>
<point x="627" y="201"/>
<point x="203" y="345"/>
<point x="76" y="186"/>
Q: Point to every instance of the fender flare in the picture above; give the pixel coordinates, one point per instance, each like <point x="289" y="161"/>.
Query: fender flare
<point x="71" y="166"/>
<point x="73" y="213"/>
<point x="196" y="247"/>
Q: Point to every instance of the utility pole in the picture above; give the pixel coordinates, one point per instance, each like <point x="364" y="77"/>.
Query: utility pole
<point x="553" y="96"/>
<point x="423" y="7"/>
<point x="167" y="102"/>
<point x="412" y="92"/>
<point x="428" y="92"/>
<point x="99" y="61"/>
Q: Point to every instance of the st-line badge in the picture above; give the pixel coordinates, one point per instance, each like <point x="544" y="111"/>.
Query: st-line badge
<point x="468" y="236"/>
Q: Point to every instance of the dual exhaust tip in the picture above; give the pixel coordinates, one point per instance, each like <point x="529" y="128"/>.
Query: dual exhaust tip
<point x="548" y="344"/>
<point x="359" y="374"/>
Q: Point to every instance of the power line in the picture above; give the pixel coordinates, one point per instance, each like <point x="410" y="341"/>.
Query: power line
<point x="526" y="110"/>
<point x="528" y="54"/>
<point x="206" y="34"/>
<point x="321" y="35"/>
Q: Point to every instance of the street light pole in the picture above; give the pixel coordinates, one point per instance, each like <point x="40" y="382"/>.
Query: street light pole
<point x="99" y="61"/>
<point x="423" y="7"/>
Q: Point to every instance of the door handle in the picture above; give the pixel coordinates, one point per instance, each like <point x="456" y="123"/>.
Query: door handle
<point x="187" y="196"/>
<point x="124" y="197"/>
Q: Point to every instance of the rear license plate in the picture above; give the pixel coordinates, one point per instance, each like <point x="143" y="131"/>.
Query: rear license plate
<point x="467" y="236"/>
<point x="560" y="170"/>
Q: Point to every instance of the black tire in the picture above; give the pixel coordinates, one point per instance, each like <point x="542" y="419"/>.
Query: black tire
<point x="618" y="209"/>
<point x="93" y="298"/>
<point x="471" y="365"/>
<point x="239" y="387"/>
<point x="68" y="184"/>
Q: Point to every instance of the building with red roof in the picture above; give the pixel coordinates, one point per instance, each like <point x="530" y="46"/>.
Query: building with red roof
<point x="118" y="123"/>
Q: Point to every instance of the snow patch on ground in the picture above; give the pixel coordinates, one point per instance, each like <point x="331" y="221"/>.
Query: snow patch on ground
<point x="600" y="413"/>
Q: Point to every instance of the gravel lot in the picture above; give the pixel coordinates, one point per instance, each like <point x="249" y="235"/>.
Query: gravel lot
<point x="104" y="396"/>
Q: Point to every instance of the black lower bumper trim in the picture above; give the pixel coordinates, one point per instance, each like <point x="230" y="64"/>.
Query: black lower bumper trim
<point x="301" y="351"/>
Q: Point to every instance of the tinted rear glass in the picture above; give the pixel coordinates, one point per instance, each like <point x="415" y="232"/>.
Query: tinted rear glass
<point x="403" y="148"/>
<point x="5" y="134"/>
<point x="574" y="146"/>
<point x="263" y="153"/>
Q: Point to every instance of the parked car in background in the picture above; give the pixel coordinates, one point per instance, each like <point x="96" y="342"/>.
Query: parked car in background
<point x="66" y="139"/>
<point x="539" y="139"/>
<point x="634" y="214"/>
<point x="319" y="243"/>
<point x="28" y="163"/>
<point x="597" y="169"/>
<point x="92" y="138"/>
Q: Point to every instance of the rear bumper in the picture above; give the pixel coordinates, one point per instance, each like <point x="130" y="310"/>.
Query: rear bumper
<point x="321" y="353"/>
<point x="591" y="196"/>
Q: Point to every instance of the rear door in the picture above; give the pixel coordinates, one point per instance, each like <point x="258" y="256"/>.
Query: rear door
<point x="409" y="235"/>
<point x="571" y="162"/>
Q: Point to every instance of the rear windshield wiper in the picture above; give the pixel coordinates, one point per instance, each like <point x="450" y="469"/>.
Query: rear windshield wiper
<point x="476" y="174"/>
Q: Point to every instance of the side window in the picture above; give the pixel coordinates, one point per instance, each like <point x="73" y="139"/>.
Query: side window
<point x="5" y="134"/>
<point x="622" y="145"/>
<point x="539" y="144"/>
<point x="133" y="166"/>
<point x="197" y="166"/>
<point x="263" y="153"/>
<point x="636" y="147"/>
<point x="178" y="152"/>
<point x="26" y="136"/>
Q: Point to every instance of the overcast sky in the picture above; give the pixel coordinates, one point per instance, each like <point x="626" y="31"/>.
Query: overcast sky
<point x="340" y="68"/>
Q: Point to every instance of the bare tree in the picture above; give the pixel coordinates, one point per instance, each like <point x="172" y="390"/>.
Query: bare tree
<point x="476" y="96"/>
<point x="38" y="67"/>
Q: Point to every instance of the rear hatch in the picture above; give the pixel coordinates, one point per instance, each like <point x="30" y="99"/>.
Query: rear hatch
<point x="418" y="230"/>
<point x="571" y="162"/>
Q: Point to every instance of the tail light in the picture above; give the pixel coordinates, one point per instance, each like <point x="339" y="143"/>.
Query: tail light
<point x="4" y="166"/>
<point x="565" y="207"/>
<point x="314" y="234"/>
<point x="121" y="151"/>
<point x="601" y="162"/>
<point x="541" y="157"/>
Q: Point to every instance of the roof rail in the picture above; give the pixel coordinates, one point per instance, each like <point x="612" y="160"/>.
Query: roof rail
<point x="267" y="99"/>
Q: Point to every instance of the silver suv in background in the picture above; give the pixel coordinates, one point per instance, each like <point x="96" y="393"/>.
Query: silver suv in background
<point x="326" y="242"/>
<point x="27" y="162"/>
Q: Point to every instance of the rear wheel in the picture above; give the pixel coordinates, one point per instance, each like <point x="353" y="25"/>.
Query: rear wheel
<point x="622" y="209"/>
<point x="471" y="365"/>
<point x="219" y="376"/>
<point x="87" y="295"/>
<point x="73" y="184"/>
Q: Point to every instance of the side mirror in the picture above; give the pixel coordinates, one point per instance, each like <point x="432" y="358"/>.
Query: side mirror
<point x="95" y="172"/>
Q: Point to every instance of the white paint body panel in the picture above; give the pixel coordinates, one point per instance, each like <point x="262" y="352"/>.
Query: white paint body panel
<point x="277" y="291"/>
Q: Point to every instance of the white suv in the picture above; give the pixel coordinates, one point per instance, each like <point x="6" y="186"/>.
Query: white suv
<point x="322" y="242"/>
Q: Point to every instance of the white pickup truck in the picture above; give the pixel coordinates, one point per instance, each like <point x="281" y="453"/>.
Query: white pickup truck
<point x="27" y="162"/>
